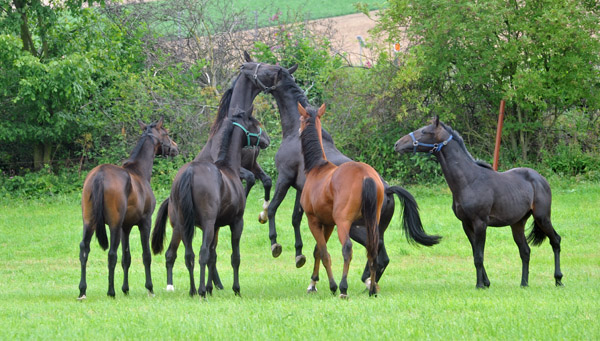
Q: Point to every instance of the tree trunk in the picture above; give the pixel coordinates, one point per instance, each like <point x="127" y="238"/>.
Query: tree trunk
<point x="41" y="155"/>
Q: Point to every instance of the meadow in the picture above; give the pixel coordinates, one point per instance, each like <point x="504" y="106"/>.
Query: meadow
<point x="425" y="292"/>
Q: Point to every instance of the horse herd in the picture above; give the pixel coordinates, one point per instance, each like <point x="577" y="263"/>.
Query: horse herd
<point x="330" y="188"/>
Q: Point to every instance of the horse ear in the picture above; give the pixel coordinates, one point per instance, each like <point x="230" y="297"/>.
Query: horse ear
<point x="142" y="124"/>
<point x="321" y="110"/>
<point x="436" y="120"/>
<point x="302" y="111"/>
<point x="293" y="68"/>
<point x="247" y="56"/>
<point x="160" y="122"/>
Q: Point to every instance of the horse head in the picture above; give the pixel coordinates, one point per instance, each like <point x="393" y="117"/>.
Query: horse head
<point x="163" y="144"/>
<point x="256" y="135"/>
<point x="430" y="138"/>
<point x="265" y="76"/>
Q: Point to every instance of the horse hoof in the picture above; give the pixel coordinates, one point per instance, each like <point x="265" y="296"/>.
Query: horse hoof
<point x="170" y="288"/>
<point x="150" y="293"/>
<point x="559" y="283"/>
<point x="300" y="260"/>
<point x="311" y="290"/>
<point x="262" y="217"/>
<point x="344" y="296"/>
<point x="81" y="298"/>
<point x="276" y="250"/>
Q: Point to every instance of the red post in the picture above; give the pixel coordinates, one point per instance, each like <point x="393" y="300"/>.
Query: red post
<point x="498" y="135"/>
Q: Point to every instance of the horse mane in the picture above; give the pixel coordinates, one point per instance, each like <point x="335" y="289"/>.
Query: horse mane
<point x="222" y="160"/>
<point x="311" y="147"/>
<point x="461" y="143"/>
<point x="138" y="147"/>
<point x="223" y="109"/>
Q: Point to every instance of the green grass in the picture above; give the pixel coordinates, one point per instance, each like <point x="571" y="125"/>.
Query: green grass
<point x="425" y="292"/>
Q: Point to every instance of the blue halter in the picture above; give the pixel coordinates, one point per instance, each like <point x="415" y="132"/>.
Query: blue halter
<point x="249" y="134"/>
<point x="436" y="147"/>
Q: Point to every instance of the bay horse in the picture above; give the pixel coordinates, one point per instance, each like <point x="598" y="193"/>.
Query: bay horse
<point x="330" y="197"/>
<point x="290" y="168"/>
<point x="482" y="197"/>
<point x="122" y="197"/>
<point x="245" y="87"/>
<point x="210" y="195"/>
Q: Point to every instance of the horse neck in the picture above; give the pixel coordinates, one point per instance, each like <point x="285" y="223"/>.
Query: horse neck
<point x="287" y="104"/>
<point x="234" y="152"/>
<point x="142" y="157"/>
<point x="458" y="167"/>
<point x="312" y="150"/>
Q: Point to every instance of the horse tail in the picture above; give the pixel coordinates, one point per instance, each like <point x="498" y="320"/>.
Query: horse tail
<point x="369" y="213"/>
<point x="536" y="236"/>
<point x="411" y="220"/>
<point x="97" y="199"/>
<point x="158" y="234"/>
<point x="182" y="195"/>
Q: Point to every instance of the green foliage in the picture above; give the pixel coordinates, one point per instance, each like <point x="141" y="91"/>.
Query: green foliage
<point x="42" y="184"/>
<point x="293" y="44"/>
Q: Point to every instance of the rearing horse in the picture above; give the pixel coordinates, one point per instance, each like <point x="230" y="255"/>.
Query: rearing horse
<point x="482" y="197"/>
<point x="122" y="197"/>
<point x="331" y="197"/>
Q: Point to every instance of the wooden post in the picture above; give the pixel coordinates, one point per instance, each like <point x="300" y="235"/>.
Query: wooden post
<point x="498" y="135"/>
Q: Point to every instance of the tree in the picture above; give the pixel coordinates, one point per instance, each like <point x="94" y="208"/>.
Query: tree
<point x="541" y="56"/>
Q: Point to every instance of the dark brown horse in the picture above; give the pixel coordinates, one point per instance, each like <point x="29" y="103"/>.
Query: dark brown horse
<point x="121" y="197"/>
<point x="290" y="168"/>
<point x="210" y="195"/>
<point x="482" y="197"/>
<point x="331" y="197"/>
<point x="253" y="79"/>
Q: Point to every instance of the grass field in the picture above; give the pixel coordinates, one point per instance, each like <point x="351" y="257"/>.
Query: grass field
<point x="425" y="292"/>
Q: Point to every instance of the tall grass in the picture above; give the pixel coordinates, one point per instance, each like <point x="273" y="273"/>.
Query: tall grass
<point x="425" y="292"/>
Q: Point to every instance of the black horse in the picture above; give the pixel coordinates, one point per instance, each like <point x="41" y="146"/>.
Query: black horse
<point x="241" y="94"/>
<point x="290" y="167"/>
<point x="482" y="197"/>
<point x="122" y="197"/>
<point x="210" y="195"/>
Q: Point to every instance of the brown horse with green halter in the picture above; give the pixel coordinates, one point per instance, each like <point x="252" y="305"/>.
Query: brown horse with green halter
<point x="121" y="197"/>
<point x="482" y="197"/>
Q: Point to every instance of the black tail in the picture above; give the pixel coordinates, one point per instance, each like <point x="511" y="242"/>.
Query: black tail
<point x="158" y="234"/>
<point x="182" y="196"/>
<point x="536" y="236"/>
<point x="411" y="220"/>
<point x="97" y="198"/>
<point x="369" y="213"/>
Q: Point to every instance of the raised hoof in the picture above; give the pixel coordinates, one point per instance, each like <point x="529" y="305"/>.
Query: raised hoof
<point x="81" y="298"/>
<point x="300" y="260"/>
<point x="276" y="250"/>
<point x="170" y="288"/>
<point x="262" y="217"/>
<point x="344" y="296"/>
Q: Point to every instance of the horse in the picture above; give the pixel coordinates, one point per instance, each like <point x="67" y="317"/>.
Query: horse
<point x="482" y="197"/>
<point x="290" y="168"/>
<point x="122" y="197"/>
<point x="330" y="198"/>
<point x="210" y="195"/>
<point x="245" y="87"/>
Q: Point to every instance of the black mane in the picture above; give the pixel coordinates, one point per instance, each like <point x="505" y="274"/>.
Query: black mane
<point x="461" y="143"/>
<point x="223" y="109"/>
<point x="138" y="147"/>
<point x="311" y="147"/>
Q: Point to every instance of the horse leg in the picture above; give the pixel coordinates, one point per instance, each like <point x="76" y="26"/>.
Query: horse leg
<point x="236" y="234"/>
<point x="267" y="184"/>
<point x="208" y="234"/>
<point x="212" y="265"/>
<point x="171" y="255"/>
<point x="546" y="226"/>
<point x="518" y="232"/>
<point x="115" y="238"/>
<point x="84" y="252"/>
<point x="146" y="255"/>
<point x="189" y="263"/>
<point x="281" y="189"/>
<point x="125" y="259"/>
<point x="479" y="229"/>
<point x="312" y="287"/>
<point x="296" y="220"/>
<point x="247" y="176"/>
<point x="343" y="235"/>
<point x="468" y="228"/>
<point x="326" y="259"/>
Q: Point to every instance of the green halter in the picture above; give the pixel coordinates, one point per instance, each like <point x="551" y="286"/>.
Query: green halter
<point x="249" y="134"/>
